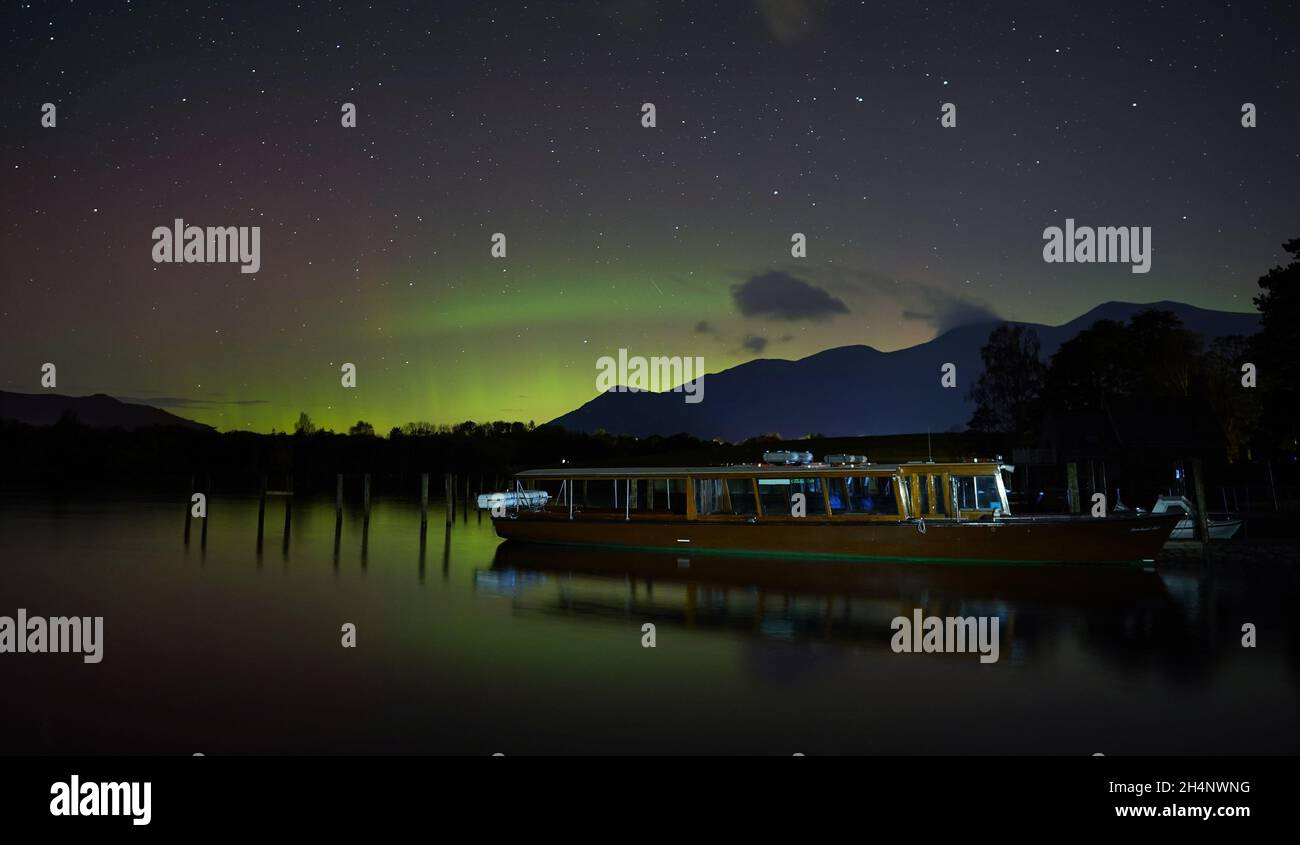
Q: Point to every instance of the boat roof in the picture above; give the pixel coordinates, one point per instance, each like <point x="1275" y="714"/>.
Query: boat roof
<point x="795" y="470"/>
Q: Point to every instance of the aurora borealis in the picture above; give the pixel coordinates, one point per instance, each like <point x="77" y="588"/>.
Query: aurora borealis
<point x="772" y="118"/>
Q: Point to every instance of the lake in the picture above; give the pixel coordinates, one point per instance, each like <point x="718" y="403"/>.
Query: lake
<point x="466" y="645"/>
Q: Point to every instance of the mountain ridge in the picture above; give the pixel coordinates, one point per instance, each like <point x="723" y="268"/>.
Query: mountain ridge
<point x="835" y="391"/>
<point x="97" y="410"/>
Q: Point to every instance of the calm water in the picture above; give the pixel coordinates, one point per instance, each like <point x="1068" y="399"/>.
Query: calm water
<point x="472" y="646"/>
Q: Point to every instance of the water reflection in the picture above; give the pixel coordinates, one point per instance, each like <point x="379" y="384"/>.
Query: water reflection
<point x="469" y="645"/>
<point x="1130" y="617"/>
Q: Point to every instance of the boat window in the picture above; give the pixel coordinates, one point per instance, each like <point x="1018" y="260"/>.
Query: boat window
<point x="923" y="483"/>
<point x="708" y="496"/>
<point x="651" y="495"/>
<point x="837" y="496"/>
<point x="777" y="494"/>
<point x="741" y="491"/>
<point x="862" y="494"/>
<point x="598" y="494"/>
<point x="556" y="490"/>
<point x="677" y="496"/>
<point x="940" y="497"/>
<point x="661" y="495"/>
<point x="977" y="493"/>
<point x="774" y="494"/>
<point x="814" y="491"/>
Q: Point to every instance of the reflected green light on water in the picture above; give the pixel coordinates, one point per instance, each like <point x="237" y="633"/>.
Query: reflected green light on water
<point x="467" y="645"/>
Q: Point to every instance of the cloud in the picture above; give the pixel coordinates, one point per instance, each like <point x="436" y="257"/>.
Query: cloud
<point x="183" y="402"/>
<point x="779" y="294"/>
<point x="948" y="312"/>
<point x="920" y="301"/>
<point x="754" y="343"/>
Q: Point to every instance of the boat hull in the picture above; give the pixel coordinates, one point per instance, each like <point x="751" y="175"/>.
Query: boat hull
<point x="1014" y="540"/>
<point x="1220" y="529"/>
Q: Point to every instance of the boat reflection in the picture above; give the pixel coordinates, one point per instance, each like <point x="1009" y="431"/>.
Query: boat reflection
<point x="1105" y="609"/>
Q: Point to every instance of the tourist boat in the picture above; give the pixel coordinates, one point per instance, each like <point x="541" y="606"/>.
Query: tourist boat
<point x="845" y="507"/>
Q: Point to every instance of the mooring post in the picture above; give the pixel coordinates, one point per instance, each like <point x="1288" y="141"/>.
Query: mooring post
<point x="1072" y="482"/>
<point x="288" y="513"/>
<point x="188" y="505"/>
<point x="367" y="495"/>
<point x="338" y="535"/>
<point x="261" y="513"/>
<point x="424" y="499"/>
<point x="207" y="503"/>
<point x="465" y="513"/>
<point x="338" y="495"/>
<point x="446" y="492"/>
<point x="1202" y="519"/>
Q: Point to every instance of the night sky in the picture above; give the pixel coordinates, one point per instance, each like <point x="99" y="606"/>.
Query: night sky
<point x="773" y="118"/>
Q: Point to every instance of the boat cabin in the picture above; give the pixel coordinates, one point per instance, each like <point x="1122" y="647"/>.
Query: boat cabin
<point x="844" y="488"/>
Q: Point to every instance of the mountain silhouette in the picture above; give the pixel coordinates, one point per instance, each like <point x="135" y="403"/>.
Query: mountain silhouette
<point x="853" y="391"/>
<point x="97" y="411"/>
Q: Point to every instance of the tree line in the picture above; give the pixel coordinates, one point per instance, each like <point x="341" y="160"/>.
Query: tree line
<point x="1227" y="397"/>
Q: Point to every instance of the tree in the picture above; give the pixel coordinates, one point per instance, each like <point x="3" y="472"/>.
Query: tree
<point x="1279" y="342"/>
<point x="419" y="429"/>
<point x="362" y="429"/>
<point x="304" y="425"/>
<point x="1008" y="393"/>
<point x="1235" y="408"/>
<point x="1090" y="370"/>
<point x="1166" y="355"/>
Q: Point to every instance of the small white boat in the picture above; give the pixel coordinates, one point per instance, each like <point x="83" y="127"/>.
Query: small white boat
<point x="513" y="500"/>
<point x="1222" y="527"/>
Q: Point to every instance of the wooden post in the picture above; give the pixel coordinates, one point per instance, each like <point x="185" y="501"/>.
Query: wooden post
<point x="424" y="499"/>
<point x="288" y="513"/>
<point x="367" y="495"/>
<point x="207" y="503"/>
<point x="261" y="513"/>
<point x="446" y="492"/>
<point x="338" y="536"/>
<point x="1202" y="519"/>
<point x="189" y="503"/>
<point x="465" y="512"/>
<point x="338" y="516"/>
<point x="1072" y="481"/>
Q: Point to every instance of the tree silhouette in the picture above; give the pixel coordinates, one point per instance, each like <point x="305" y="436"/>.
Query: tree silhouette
<point x="1008" y="393"/>
<point x="1279" y="344"/>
